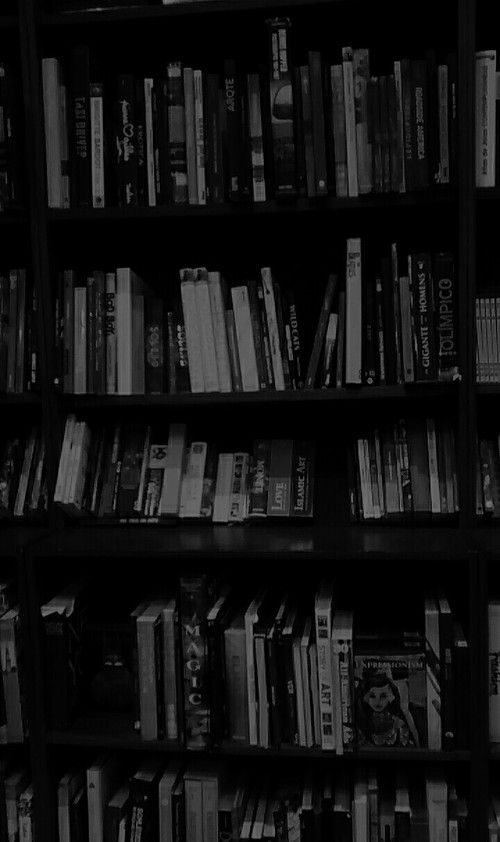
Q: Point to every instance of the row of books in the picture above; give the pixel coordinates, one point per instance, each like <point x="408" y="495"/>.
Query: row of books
<point x="10" y="139"/>
<point x="208" y="666"/>
<point x="12" y="713"/>
<point x="487" y="339"/>
<point x="18" y="338"/>
<point x="205" y="803"/>
<point x="23" y="479"/>
<point x="404" y="469"/>
<point x="114" y="335"/>
<point x="16" y="803"/>
<point x="192" y="136"/>
<point x="126" y="473"/>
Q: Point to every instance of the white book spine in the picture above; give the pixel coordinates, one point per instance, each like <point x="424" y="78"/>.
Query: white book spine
<point x="150" y="156"/>
<point x="325" y="679"/>
<point x="223" y="485"/>
<point x="199" y="136"/>
<point x="485" y="118"/>
<point x="272" y="326"/>
<point x="97" y="146"/>
<point x="80" y="341"/>
<point x="94" y="804"/>
<point x="207" y="338"/>
<point x="171" y="490"/>
<point x="124" y="322"/>
<point x="193" y="487"/>
<point x="244" y="336"/>
<point x="110" y="333"/>
<point x="219" y="331"/>
<point x="193" y="339"/>
<point x="437" y="806"/>
<point x="494" y="669"/>
<point x="353" y="307"/>
<point x="350" y="122"/>
<point x="50" y="84"/>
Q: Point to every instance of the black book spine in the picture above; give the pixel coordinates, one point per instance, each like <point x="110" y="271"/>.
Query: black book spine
<point x="236" y="189"/>
<point x="125" y="141"/>
<point x="447" y="683"/>
<point x="302" y="496"/>
<point x="4" y="330"/>
<point x="452" y="116"/>
<point x="384" y="133"/>
<point x="292" y="732"/>
<point x="257" y="334"/>
<point x="394" y="148"/>
<point x="410" y="148"/>
<point x="176" y="134"/>
<point x="272" y="661"/>
<point x="379" y="330"/>
<point x="433" y="147"/>
<point x="160" y="141"/>
<point x="140" y="143"/>
<point x="213" y="146"/>
<point x="300" y="162"/>
<point x="461" y="673"/>
<point x="91" y="334"/>
<point x="420" y="122"/>
<point x="265" y="337"/>
<point x="369" y="372"/>
<point x="282" y="335"/>
<point x="100" y="339"/>
<point x="423" y="309"/>
<point x="281" y="108"/>
<point x="155" y="342"/>
<point x="318" y="122"/>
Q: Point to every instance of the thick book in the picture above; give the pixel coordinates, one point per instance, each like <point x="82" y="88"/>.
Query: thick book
<point x="195" y="596"/>
<point x="79" y="126"/>
<point x="125" y="141"/>
<point x="236" y="680"/>
<point x="129" y="332"/>
<point x="178" y="191"/>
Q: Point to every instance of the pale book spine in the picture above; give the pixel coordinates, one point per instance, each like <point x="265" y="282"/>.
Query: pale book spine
<point x="485" y="118"/>
<point x="251" y="683"/>
<point x="219" y="331"/>
<point x="272" y="326"/>
<point x="191" y="504"/>
<point x="110" y="332"/>
<point x="170" y="675"/>
<point x="171" y="490"/>
<point x="199" y="136"/>
<point x="97" y="146"/>
<point x="350" y="122"/>
<point x="94" y="804"/>
<point x="207" y="339"/>
<point x="223" y="486"/>
<point x="353" y="327"/>
<point x="150" y="156"/>
<point x="193" y="339"/>
<point x="244" y="336"/>
<point x="325" y="683"/>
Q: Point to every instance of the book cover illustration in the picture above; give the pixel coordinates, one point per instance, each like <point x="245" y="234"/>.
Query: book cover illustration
<point x="390" y="697"/>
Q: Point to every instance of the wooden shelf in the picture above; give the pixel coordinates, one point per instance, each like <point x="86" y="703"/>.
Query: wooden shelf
<point x="417" y="391"/>
<point x="259" y="542"/>
<point x="21" y="399"/>
<point x="17" y="535"/>
<point x="427" y="199"/>
<point x="133" y="742"/>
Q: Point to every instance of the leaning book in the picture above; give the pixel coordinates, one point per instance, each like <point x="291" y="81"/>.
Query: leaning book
<point x="390" y="697"/>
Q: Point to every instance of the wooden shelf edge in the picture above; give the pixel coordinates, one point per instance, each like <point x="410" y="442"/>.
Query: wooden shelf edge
<point x="216" y="399"/>
<point x="135" y="743"/>
<point x="299" y="205"/>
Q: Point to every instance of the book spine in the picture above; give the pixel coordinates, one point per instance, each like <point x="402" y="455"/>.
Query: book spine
<point x="339" y="130"/>
<point x="446" y="317"/>
<point x="213" y="140"/>
<point x="485" y="118"/>
<point x="80" y="128"/>
<point x="318" y="123"/>
<point x="154" y="341"/>
<point x="353" y="360"/>
<point x="361" y="75"/>
<point x="325" y="678"/>
<point x="189" y="106"/>
<point x="150" y="152"/>
<point x="176" y="134"/>
<point x="199" y="136"/>
<point x="245" y="339"/>
<point x="125" y="141"/>
<point x="350" y="121"/>
<point x="420" y="123"/>
<point x="256" y="138"/>
<point x="282" y="127"/>
<point x="272" y="324"/>
<point x="307" y="129"/>
<point x="426" y="360"/>
<point x="97" y="144"/>
<point x="110" y="333"/>
<point x="302" y="494"/>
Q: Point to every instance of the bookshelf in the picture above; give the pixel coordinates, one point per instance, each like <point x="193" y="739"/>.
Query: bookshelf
<point x="463" y="552"/>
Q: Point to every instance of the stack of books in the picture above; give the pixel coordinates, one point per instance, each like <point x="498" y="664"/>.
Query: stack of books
<point x="18" y="339"/>
<point x="23" y="477"/>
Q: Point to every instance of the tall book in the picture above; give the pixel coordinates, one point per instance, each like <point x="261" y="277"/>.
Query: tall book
<point x="353" y="307"/>
<point x="129" y="332"/>
<point x="281" y="104"/>
<point x="323" y="609"/>
<point x="486" y="95"/>
<point x="195" y="594"/>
